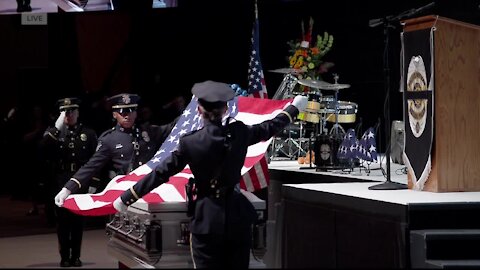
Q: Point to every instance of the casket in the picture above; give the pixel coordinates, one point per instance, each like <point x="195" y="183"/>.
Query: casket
<point x="156" y="235"/>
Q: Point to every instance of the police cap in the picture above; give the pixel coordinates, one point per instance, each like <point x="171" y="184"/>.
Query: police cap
<point x="212" y="94"/>
<point x="68" y="104"/>
<point x="124" y="101"/>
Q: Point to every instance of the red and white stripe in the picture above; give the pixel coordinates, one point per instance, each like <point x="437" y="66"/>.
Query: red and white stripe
<point x="254" y="172"/>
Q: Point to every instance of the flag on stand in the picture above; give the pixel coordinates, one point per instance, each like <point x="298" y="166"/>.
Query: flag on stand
<point x="367" y="147"/>
<point x="348" y="147"/>
<point x="256" y="80"/>
<point x="248" y="110"/>
<point x="257" y="177"/>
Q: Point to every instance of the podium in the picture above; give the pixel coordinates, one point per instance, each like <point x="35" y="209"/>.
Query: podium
<point x="455" y="147"/>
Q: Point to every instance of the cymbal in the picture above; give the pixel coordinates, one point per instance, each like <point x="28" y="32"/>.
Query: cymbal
<point x="287" y="70"/>
<point x="336" y="86"/>
<point x="322" y="85"/>
<point x="313" y="83"/>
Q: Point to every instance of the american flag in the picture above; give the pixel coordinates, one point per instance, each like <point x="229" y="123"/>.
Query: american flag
<point x="364" y="149"/>
<point x="256" y="80"/>
<point x="257" y="177"/>
<point x="348" y="147"/>
<point x="246" y="109"/>
<point x="367" y="147"/>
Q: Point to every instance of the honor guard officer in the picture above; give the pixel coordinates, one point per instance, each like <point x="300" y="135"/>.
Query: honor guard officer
<point x="221" y="225"/>
<point x="122" y="148"/>
<point x="67" y="146"/>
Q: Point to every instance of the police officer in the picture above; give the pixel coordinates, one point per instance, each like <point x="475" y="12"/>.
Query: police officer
<point x="67" y="146"/>
<point x="122" y="148"/>
<point x="223" y="217"/>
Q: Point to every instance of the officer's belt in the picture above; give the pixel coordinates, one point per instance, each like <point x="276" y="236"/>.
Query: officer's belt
<point x="216" y="193"/>
<point x="69" y="167"/>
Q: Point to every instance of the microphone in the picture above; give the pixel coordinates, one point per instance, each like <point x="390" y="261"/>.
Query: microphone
<point x="375" y="22"/>
<point x="414" y="11"/>
<point x="420" y="9"/>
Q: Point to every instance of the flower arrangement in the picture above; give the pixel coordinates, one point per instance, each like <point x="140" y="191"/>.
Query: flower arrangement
<point x="307" y="56"/>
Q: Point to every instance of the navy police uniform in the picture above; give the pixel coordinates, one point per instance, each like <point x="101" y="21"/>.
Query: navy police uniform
<point x="122" y="150"/>
<point x="65" y="151"/>
<point x="223" y="217"/>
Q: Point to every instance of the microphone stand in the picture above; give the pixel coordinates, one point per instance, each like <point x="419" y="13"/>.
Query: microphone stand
<point x="387" y="23"/>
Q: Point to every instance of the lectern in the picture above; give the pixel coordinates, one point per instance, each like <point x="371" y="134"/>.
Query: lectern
<point x="442" y="104"/>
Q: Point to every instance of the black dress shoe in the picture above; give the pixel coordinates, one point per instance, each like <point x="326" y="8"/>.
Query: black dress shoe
<point x="76" y="262"/>
<point x="64" y="263"/>
<point x="20" y="9"/>
<point x="27" y="8"/>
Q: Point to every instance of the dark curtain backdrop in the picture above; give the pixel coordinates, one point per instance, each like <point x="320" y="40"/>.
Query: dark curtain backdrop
<point x="161" y="53"/>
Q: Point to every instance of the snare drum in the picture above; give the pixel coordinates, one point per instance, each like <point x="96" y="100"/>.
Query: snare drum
<point x="346" y="112"/>
<point x="328" y="102"/>
<point x="301" y="116"/>
<point x="309" y="117"/>
<point x="312" y="117"/>
<point x="312" y="106"/>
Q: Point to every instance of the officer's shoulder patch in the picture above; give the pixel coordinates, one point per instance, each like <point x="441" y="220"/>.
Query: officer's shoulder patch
<point x="99" y="145"/>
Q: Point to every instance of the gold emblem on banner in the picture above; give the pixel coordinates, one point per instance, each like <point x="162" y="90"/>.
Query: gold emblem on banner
<point x="417" y="108"/>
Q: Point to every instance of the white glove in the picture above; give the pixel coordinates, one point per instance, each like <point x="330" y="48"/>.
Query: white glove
<point x="60" y="121"/>
<point x="300" y="102"/>
<point x="61" y="196"/>
<point x="119" y="205"/>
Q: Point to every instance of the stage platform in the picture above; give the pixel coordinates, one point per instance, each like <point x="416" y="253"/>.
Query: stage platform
<point x="331" y="219"/>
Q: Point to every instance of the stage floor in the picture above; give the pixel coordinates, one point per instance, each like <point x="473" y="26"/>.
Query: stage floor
<point x="38" y="6"/>
<point x="398" y="172"/>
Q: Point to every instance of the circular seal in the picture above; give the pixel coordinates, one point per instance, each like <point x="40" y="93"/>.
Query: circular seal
<point x="417" y="108"/>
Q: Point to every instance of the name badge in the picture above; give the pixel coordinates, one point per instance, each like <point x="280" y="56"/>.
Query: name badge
<point x="118" y="146"/>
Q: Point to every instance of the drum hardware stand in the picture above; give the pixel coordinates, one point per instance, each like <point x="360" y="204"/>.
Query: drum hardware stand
<point x="286" y="87"/>
<point x="337" y="109"/>
<point x="289" y="141"/>
<point x="300" y="149"/>
<point x="387" y="23"/>
<point x="323" y="126"/>
<point x="310" y="138"/>
<point x="297" y="144"/>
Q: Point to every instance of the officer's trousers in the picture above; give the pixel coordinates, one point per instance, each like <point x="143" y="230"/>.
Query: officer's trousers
<point x="221" y="251"/>
<point x="69" y="233"/>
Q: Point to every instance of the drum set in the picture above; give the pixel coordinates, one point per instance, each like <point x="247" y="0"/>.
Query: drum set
<point x="319" y="126"/>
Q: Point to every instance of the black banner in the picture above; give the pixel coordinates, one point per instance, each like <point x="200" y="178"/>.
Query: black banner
<point x="418" y="103"/>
